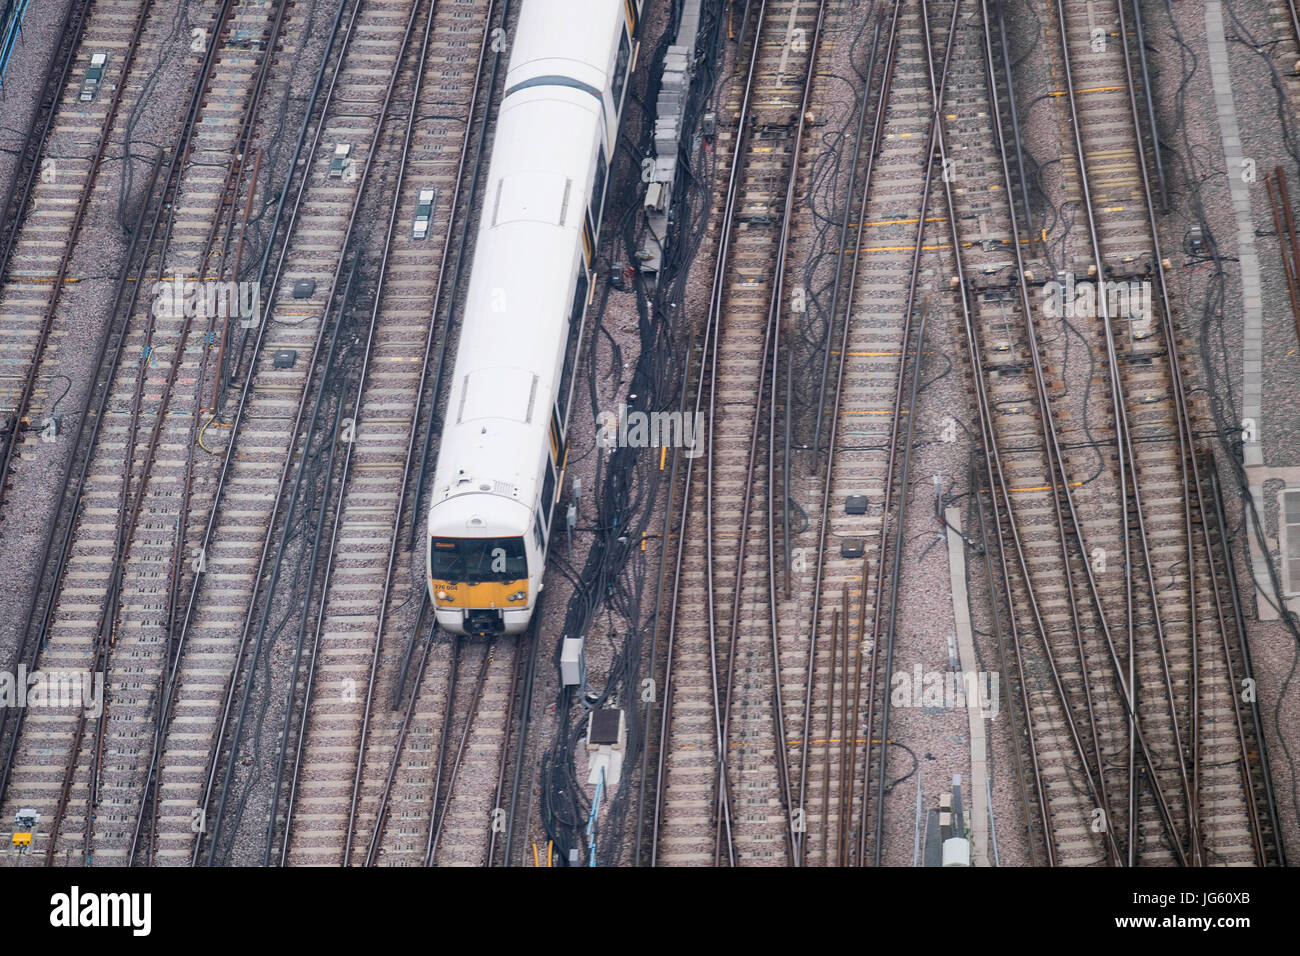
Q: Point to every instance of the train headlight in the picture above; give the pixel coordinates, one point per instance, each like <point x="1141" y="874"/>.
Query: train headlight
<point x="517" y="596"/>
<point x="443" y="596"/>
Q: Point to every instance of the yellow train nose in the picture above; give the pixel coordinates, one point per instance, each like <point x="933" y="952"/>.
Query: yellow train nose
<point x="488" y="594"/>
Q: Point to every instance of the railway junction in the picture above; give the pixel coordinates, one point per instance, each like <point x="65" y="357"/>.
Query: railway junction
<point x="921" y="481"/>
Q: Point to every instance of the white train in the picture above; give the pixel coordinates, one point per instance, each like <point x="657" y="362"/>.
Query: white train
<point x="502" y="455"/>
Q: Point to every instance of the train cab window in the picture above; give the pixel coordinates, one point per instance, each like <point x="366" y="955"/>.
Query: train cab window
<point x="620" y="69"/>
<point x="476" y="560"/>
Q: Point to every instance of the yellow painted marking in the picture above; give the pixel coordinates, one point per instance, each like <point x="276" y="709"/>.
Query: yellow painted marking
<point x="964" y="245"/>
<point x="1073" y="484"/>
<point x="876" y="354"/>
<point x="903" y="248"/>
<point x="663" y="457"/>
<point x="1092" y="89"/>
<point x="905" y="222"/>
<point x="793" y="743"/>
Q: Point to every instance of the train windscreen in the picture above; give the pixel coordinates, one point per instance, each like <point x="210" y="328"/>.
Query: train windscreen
<point x="476" y="560"/>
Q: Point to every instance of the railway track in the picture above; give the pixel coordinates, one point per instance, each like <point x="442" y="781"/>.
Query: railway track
<point x="1051" y="401"/>
<point x="386" y="744"/>
<point x="1081" y="636"/>
<point x="49" y="199"/>
<point x="298" y="556"/>
<point x="445" y="803"/>
<point x="117" y="515"/>
<point x="237" y="546"/>
<point x="725" y="785"/>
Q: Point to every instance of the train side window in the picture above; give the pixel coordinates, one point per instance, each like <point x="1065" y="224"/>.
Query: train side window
<point x="538" y="536"/>
<point x="557" y="436"/>
<point x="620" y="68"/>
<point x="548" y="490"/>
<point x="571" y="347"/>
<point x="579" y="297"/>
<point x="598" y="186"/>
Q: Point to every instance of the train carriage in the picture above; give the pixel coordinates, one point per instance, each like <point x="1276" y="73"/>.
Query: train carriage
<point x="501" y="459"/>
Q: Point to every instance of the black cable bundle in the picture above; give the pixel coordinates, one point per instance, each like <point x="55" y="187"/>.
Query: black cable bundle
<point x="628" y="483"/>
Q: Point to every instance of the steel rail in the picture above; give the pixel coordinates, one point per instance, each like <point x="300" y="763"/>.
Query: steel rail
<point x="128" y="510"/>
<point x="1290" y="264"/>
<point x="74" y="232"/>
<point x="977" y="483"/>
<point x="395" y="537"/>
<point x="130" y="507"/>
<point x="876" y="127"/>
<point x="310" y="682"/>
<point x="331" y="550"/>
<point x="775" y="306"/>
<point x="106" y="365"/>
<point x="1188" y="461"/>
<point x="830" y="730"/>
<point x="1270" y="798"/>
<point x="1014" y="115"/>
<point x="877" y="134"/>
<point x="439" y="815"/>
<point x="458" y="270"/>
<point x="177" y="633"/>
<point x="57" y="74"/>
<point x="363" y="179"/>
<point x="851" y="731"/>
<point x="774" y="321"/>
<point x="128" y="513"/>
<point x="890" y="468"/>
<point x="23" y="187"/>
<point x="1064" y="490"/>
<point x="1124" y="450"/>
<point x="263" y="619"/>
<point x="1055" y="461"/>
<point x="525" y="722"/>
<point x="1150" y="103"/>
<point x="506" y="733"/>
<point x="713" y="336"/>
<point x="381" y="815"/>
<point x="654" y="640"/>
<point x="841" y="826"/>
<point x="993" y="467"/>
